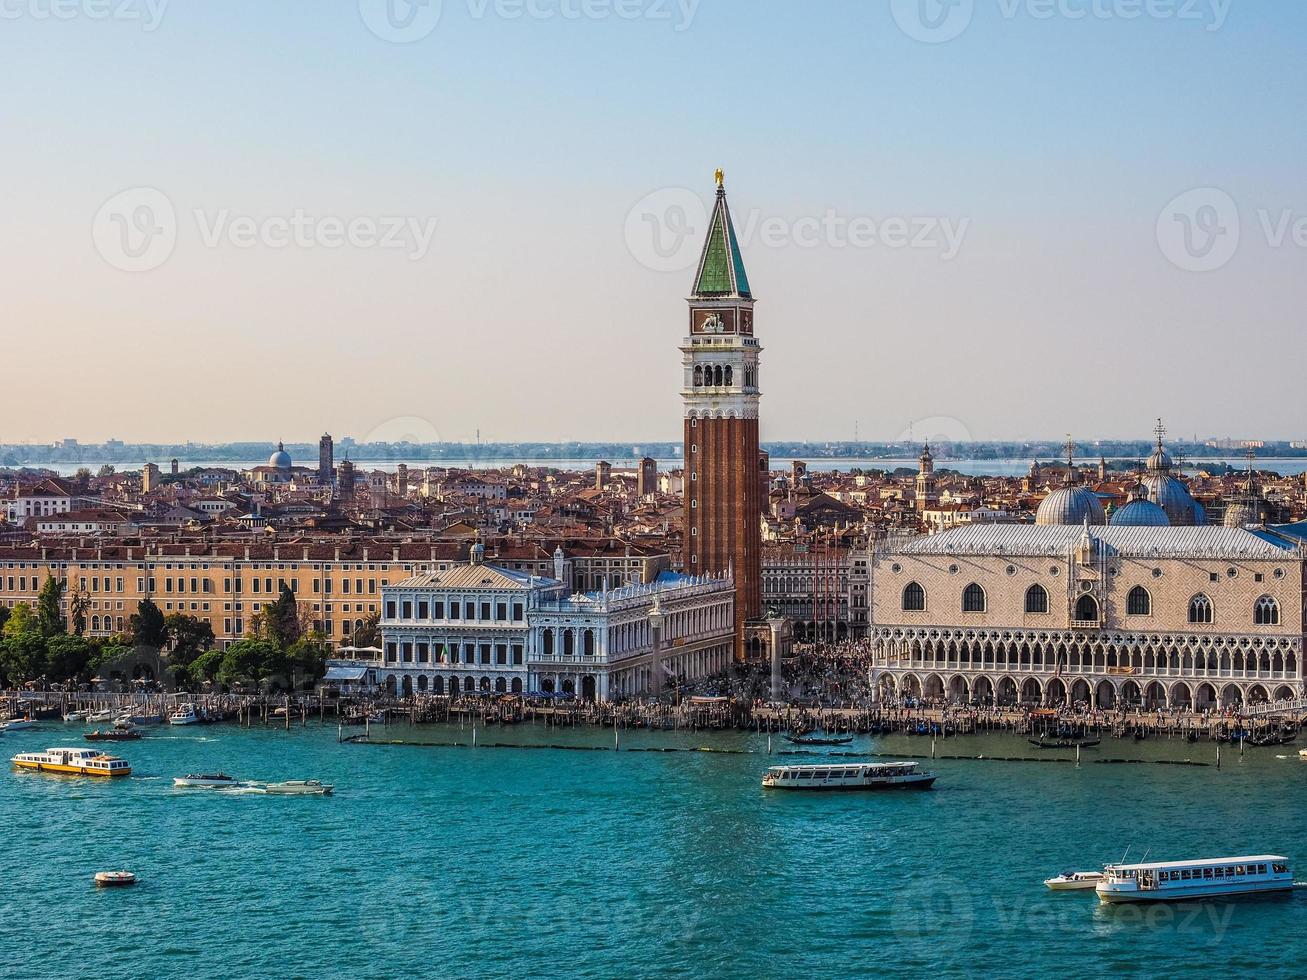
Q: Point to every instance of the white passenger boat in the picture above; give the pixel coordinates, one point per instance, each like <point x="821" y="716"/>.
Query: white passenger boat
<point x="73" y="762"/>
<point x="185" y="715"/>
<point x="1174" y="881"/>
<point x="16" y="724"/>
<point x="1074" y="881"/>
<point x="858" y="775"/>
<point x="208" y="780"/>
<point x="298" y="787"/>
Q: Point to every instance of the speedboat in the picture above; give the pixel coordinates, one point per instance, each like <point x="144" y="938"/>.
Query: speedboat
<point x="298" y="787"/>
<point x="1069" y="881"/>
<point x="211" y="780"/>
<point x="1174" y="881"/>
<point x="113" y="735"/>
<point x="73" y="762"/>
<point x="184" y="715"/>
<point x="75" y="717"/>
<point x="858" y="775"/>
<point x="100" y="717"/>
<point x="16" y="724"/>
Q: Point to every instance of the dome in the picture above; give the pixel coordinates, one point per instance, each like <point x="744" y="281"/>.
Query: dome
<point x="1173" y="497"/>
<point x="1159" y="461"/>
<point x="1240" y="514"/>
<point x="1071" y="505"/>
<point x="1140" y="513"/>
<point x="280" y="459"/>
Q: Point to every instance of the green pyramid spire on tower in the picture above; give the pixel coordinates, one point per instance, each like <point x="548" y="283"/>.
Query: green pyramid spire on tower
<point x="721" y="268"/>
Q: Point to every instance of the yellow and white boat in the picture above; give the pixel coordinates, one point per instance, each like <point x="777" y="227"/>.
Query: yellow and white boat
<point x="73" y="762"/>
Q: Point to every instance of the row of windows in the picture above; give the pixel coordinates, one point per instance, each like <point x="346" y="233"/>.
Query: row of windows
<point x="1139" y="602"/>
<point x="468" y="610"/>
<point x="501" y="654"/>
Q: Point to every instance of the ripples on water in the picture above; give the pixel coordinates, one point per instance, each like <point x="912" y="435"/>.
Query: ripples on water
<point x="494" y="862"/>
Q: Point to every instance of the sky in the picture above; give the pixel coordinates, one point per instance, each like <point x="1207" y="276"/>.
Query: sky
<point x="985" y="219"/>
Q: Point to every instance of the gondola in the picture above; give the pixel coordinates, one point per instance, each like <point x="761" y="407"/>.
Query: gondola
<point x="1039" y="743"/>
<point x="818" y="740"/>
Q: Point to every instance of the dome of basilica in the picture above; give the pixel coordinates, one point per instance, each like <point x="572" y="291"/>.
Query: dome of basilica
<point x="1173" y="497"/>
<point x="1140" y="513"/>
<point x="280" y="459"/>
<point x="1071" y="505"/>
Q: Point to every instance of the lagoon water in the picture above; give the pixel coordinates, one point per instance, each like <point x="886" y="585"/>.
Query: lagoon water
<point x="468" y="862"/>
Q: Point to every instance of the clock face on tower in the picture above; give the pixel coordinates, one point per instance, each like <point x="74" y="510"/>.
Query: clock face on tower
<point x="712" y="321"/>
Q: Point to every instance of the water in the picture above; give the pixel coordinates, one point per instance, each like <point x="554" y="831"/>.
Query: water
<point x="497" y="862"/>
<point x="1012" y="466"/>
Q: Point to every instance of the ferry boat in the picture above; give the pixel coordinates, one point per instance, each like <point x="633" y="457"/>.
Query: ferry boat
<point x="1069" y="881"/>
<point x="858" y="775"/>
<point x="73" y="762"/>
<point x="1174" y="881"/>
<point x="185" y="715"/>
<point x="208" y="780"/>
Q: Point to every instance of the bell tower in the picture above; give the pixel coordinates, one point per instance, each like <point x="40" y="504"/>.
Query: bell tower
<point x="723" y="498"/>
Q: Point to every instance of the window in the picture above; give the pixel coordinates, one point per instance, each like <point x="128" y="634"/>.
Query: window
<point x="1139" y="602"/>
<point x="1200" y="609"/>
<point x="1086" y="609"/>
<point x="1266" y="612"/>
<point x="914" y="598"/>
<point x="973" y="598"/>
<point x="1036" y="600"/>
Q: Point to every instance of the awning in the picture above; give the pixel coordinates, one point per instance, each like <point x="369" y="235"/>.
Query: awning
<point x="345" y="674"/>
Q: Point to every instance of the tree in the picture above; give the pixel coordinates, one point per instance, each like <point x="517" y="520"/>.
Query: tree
<point x="20" y="621"/>
<point x="67" y="657"/>
<point x="49" y="613"/>
<point x="148" y="625"/>
<point x="4" y="617"/>
<point x="107" y="470"/>
<point x="306" y="658"/>
<point x="22" y="657"/>
<point x="188" y="637"/>
<point x="205" y="667"/>
<point x="280" y="622"/>
<point x="83" y="479"/>
<point x="247" y="661"/>
<point x="78" y="604"/>
<point x="369" y="634"/>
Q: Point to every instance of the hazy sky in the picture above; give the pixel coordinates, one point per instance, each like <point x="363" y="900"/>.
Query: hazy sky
<point x="994" y="219"/>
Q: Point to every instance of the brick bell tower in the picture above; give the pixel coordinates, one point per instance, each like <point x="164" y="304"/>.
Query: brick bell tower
<point x="720" y="391"/>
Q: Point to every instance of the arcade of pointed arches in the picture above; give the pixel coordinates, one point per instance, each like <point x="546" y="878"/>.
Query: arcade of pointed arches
<point x="1023" y="667"/>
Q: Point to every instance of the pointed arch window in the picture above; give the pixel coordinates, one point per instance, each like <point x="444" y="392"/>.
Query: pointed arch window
<point x="1266" y="612"/>
<point x="1036" y="600"/>
<point x="973" y="599"/>
<point x="1200" y="609"/>
<point x="914" y="597"/>
<point x="1086" y="609"/>
<point x="1139" y="602"/>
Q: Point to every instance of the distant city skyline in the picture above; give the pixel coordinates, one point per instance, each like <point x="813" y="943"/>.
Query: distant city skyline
<point x="948" y="230"/>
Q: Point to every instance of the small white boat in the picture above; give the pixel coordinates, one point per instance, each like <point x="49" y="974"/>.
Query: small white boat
<point x="16" y="724"/>
<point x="858" y="775"/>
<point x="75" y="717"/>
<point x="208" y="780"/>
<point x="100" y="717"/>
<point x="1074" y="881"/>
<point x="298" y="787"/>
<point x="1174" y="881"/>
<point x="185" y="715"/>
<point x="114" y="879"/>
<point x="1302" y="753"/>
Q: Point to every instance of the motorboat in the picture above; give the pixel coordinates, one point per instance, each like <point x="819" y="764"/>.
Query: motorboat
<point x="1069" y="881"/>
<point x="184" y="715"/>
<point x="297" y="787"/>
<point x="114" y="879"/>
<point x="100" y="717"/>
<point x="16" y="724"/>
<point x="73" y="762"/>
<point x="113" y="735"/>
<point x="1174" y="881"/>
<point x="212" y="780"/>
<point x="76" y="717"/>
<point x="859" y="775"/>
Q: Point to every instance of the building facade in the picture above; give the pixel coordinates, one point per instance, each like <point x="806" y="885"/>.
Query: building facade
<point x="1181" y="617"/>
<point x="720" y="392"/>
<point x="484" y="629"/>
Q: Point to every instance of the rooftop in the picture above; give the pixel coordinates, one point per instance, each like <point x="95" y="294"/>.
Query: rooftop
<point x="1152" y="542"/>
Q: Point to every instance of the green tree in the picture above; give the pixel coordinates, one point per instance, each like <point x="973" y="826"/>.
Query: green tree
<point x="369" y="634"/>
<point x="148" y="627"/>
<point x="248" y="662"/>
<point x="107" y="470"/>
<point x="4" y="617"/>
<point x="48" y="612"/>
<point x="68" y="657"/>
<point x="106" y="655"/>
<point x="22" y="657"/>
<point x="205" y="667"/>
<point x="188" y="637"/>
<point x="280" y="620"/>
<point x="306" y="658"/>
<point x="20" y="621"/>
<point x="78" y="604"/>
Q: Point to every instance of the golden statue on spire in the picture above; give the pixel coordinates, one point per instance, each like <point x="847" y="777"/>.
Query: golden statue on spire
<point x="720" y="177"/>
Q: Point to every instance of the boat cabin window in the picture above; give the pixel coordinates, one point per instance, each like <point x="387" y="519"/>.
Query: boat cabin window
<point x="1280" y="869"/>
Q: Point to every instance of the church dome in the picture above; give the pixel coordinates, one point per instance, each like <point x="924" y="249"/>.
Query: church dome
<point x="1240" y="514"/>
<point x="1071" y="505"/>
<point x="1140" y="513"/>
<point x="1159" y="461"/>
<point x="1173" y="497"/>
<point x="280" y="459"/>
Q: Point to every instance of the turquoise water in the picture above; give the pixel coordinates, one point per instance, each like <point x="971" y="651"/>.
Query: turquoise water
<point x="497" y="862"/>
